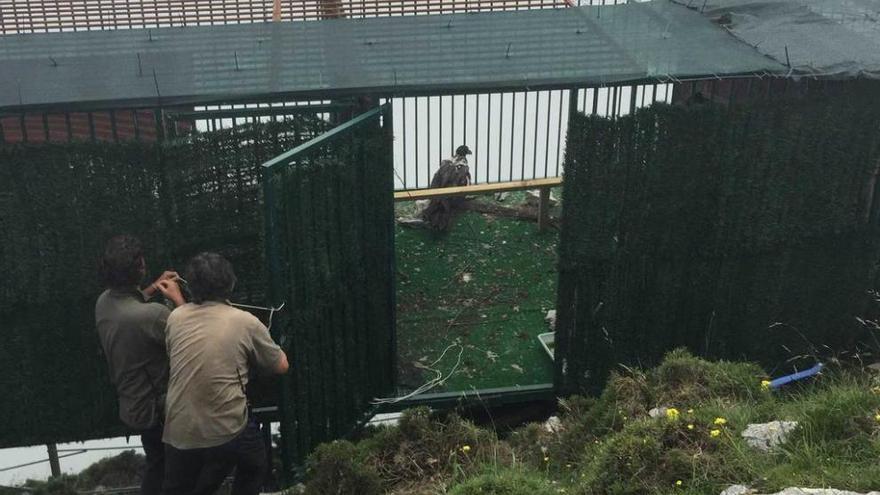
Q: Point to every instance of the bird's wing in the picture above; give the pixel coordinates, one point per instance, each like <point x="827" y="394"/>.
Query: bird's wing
<point x="441" y="177"/>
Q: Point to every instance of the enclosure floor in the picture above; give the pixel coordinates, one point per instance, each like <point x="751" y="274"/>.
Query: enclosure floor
<point x="486" y="285"/>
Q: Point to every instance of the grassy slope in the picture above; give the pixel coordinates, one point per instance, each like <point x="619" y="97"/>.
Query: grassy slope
<point x="609" y="445"/>
<point x="487" y="285"/>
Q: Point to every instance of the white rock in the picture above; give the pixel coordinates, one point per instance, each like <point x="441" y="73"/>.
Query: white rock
<point x="766" y="436"/>
<point x="816" y="491"/>
<point x="658" y="412"/>
<point x="737" y="490"/>
<point x="422" y="203"/>
<point x="553" y="425"/>
<point x="551" y="319"/>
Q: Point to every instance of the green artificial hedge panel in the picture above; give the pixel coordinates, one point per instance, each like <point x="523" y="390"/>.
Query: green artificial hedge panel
<point x="744" y="232"/>
<point x="59" y="203"/>
<point x="334" y="209"/>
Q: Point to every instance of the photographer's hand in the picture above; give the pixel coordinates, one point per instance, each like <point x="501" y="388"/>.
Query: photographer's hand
<point x="150" y="291"/>
<point x="171" y="291"/>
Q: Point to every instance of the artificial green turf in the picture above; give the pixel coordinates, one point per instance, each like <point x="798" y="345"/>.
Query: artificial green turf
<point x="487" y="285"/>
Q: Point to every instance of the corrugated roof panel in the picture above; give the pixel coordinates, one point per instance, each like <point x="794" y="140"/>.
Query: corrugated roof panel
<point x="392" y="55"/>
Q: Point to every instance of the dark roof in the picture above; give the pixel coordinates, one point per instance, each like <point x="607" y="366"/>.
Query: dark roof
<point x="822" y="38"/>
<point x="390" y="55"/>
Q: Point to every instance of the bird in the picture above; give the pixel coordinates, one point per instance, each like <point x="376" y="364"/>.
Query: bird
<point x="453" y="172"/>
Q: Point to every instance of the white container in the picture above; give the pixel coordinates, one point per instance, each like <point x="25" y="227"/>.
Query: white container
<point x="548" y="342"/>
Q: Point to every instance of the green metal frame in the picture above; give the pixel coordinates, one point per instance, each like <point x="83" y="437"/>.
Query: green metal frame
<point x="273" y="254"/>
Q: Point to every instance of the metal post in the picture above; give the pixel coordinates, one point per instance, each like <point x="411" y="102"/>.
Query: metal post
<point x="54" y="463"/>
<point x="273" y="260"/>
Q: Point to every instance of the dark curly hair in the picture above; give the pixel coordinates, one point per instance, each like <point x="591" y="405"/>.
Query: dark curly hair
<point x="122" y="263"/>
<point x="210" y="277"/>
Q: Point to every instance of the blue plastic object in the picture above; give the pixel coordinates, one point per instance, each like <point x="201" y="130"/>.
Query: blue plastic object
<point x="800" y="375"/>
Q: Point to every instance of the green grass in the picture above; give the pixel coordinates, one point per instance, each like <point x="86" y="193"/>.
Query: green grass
<point x="486" y="285"/>
<point x="609" y="445"/>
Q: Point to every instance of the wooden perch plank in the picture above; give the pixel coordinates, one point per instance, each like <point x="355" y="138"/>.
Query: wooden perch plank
<point x="477" y="189"/>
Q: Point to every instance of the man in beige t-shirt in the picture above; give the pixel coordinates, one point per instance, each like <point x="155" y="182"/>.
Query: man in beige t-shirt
<point x="212" y="348"/>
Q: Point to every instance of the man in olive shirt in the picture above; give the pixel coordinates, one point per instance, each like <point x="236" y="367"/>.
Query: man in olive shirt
<point x="212" y="348"/>
<point x="132" y="334"/>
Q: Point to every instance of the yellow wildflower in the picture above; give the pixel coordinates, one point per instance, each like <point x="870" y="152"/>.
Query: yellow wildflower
<point x="672" y="414"/>
<point x="690" y="411"/>
<point x="466" y="449"/>
<point x="715" y="433"/>
<point x="765" y="384"/>
<point x="877" y="417"/>
<point x="690" y="427"/>
<point x="678" y="483"/>
<point x="720" y="422"/>
<point x="546" y="459"/>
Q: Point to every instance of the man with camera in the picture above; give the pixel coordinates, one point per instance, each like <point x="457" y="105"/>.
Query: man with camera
<point x="132" y="334"/>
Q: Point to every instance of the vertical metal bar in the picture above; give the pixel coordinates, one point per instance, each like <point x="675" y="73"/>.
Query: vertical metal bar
<point x="54" y="463"/>
<point x="288" y="445"/>
<point x="417" y="145"/>
<point x="464" y="117"/>
<point x="632" y="100"/>
<point x="429" y="134"/>
<point x="654" y="94"/>
<point x="522" y="171"/>
<point x="595" y="101"/>
<point x="440" y="126"/>
<point x="477" y="142"/>
<point x="500" y="132"/>
<point x="403" y="129"/>
<point x="512" y="132"/>
<point x="488" y="133"/>
<point x="535" y="141"/>
<point x="608" y="108"/>
<point x="559" y="129"/>
<point x="452" y="126"/>
<point x="615" y="109"/>
<point x="388" y="116"/>
<point x="547" y="135"/>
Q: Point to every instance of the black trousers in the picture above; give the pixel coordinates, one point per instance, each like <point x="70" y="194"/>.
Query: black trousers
<point x="202" y="471"/>
<point x="154" y="472"/>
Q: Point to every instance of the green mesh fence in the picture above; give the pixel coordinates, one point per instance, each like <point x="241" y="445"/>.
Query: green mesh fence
<point x="738" y="233"/>
<point x="330" y="210"/>
<point x="59" y="203"/>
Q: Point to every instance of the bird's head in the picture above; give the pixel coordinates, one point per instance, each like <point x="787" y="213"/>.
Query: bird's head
<point x="463" y="151"/>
